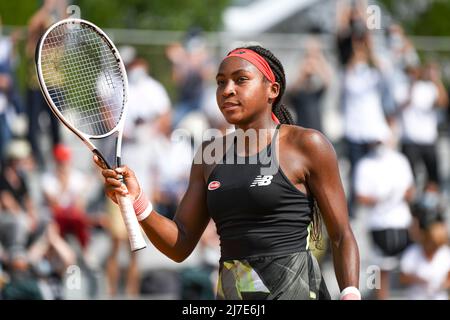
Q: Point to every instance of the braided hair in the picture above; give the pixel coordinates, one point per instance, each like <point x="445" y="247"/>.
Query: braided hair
<point x="279" y="109"/>
<point x="284" y="116"/>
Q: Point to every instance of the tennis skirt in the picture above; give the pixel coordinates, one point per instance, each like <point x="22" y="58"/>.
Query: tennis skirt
<point x="295" y="276"/>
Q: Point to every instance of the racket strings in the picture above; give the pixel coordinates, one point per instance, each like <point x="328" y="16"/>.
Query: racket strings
<point x="83" y="78"/>
<point x="87" y="118"/>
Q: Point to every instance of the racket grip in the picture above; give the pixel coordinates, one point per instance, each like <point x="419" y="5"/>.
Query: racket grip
<point x="135" y="236"/>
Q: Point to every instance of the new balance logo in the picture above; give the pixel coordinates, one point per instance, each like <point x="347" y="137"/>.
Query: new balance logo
<point x="261" y="181"/>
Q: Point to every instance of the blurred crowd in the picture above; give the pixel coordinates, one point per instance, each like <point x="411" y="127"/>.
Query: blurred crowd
<point x="393" y="106"/>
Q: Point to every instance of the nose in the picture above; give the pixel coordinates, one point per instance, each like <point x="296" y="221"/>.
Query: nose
<point x="228" y="89"/>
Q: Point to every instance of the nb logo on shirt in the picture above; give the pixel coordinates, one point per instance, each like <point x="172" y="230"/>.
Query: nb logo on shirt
<point x="262" y="181"/>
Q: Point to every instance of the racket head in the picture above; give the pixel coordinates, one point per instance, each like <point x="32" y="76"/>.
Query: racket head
<point x="83" y="80"/>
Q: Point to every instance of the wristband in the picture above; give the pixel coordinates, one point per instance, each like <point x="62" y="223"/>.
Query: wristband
<point x="142" y="207"/>
<point x="350" y="293"/>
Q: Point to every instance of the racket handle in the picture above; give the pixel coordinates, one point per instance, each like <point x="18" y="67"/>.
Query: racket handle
<point x="135" y="236"/>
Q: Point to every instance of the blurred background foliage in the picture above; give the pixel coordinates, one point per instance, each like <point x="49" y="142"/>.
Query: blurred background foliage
<point x="428" y="18"/>
<point x="421" y="17"/>
<point x="156" y="14"/>
<point x="139" y="14"/>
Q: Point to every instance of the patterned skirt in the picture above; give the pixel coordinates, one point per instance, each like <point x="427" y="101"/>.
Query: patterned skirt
<point x="295" y="276"/>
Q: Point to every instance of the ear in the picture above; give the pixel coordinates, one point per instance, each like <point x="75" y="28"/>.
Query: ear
<point x="274" y="91"/>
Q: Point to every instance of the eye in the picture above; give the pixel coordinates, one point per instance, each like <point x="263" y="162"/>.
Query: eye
<point x="242" y="79"/>
<point x="220" y="82"/>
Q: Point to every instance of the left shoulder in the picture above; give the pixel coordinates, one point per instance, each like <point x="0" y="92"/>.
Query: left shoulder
<point x="312" y="146"/>
<point x="307" y="141"/>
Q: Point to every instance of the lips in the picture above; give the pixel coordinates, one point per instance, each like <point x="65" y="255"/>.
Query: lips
<point x="228" y="105"/>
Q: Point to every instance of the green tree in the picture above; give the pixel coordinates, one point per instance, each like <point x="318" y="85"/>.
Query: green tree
<point x="156" y="14"/>
<point x="421" y="18"/>
<point x="17" y="13"/>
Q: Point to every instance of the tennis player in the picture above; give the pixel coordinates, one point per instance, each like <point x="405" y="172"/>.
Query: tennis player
<point x="265" y="219"/>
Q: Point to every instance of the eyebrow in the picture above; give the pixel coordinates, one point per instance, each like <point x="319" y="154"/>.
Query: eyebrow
<point x="235" y="72"/>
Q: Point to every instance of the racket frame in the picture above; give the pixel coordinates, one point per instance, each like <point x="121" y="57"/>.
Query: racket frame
<point x="84" y="136"/>
<point x="137" y="242"/>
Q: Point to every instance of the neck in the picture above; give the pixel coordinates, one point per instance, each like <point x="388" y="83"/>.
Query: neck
<point x="253" y="142"/>
<point x="265" y="122"/>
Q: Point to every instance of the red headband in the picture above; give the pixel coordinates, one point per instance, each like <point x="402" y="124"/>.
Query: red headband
<point x="259" y="62"/>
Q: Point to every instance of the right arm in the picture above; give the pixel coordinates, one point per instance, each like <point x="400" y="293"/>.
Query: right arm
<point x="175" y="238"/>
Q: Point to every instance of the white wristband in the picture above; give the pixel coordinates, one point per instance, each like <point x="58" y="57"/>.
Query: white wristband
<point x="350" y="293"/>
<point x="142" y="207"/>
<point x="142" y="216"/>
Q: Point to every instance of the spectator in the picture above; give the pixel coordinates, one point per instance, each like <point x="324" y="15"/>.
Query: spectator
<point x="148" y="99"/>
<point x="50" y="12"/>
<point x="50" y="257"/>
<point x="402" y="50"/>
<point x="170" y="166"/>
<point x="425" y="266"/>
<point x="419" y="121"/>
<point x="147" y="105"/>
<point x="400" y="55"/>
<point x="19" y="222"/>
<point x="362" y="101"/>
<point x="20" y="227"/>
<point x="351" y="28"/>
<point x="306" y="94"/>
<point x="8" y="92"/>
<point x="67" y="199"/>
<point x="22" y="284"/>
<point x="65" y="196"/>
<point x="190" y="68"/>
<point x="384" y="184"/>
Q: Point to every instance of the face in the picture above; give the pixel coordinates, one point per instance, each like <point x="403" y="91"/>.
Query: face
<point x="436" y="235"/>
<point x="62" y="168"/>
<point x="242" y="93"/>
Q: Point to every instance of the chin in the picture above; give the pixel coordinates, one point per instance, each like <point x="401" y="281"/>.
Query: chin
<point x="233" y="120"/>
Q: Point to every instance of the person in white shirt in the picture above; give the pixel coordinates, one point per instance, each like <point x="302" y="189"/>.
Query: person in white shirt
<point x="384" y="185"/>
<point x="425" y="266"/>
<point x="170" y="163"/>
<point x="147" y="101"/>
<point x="363" y="89"/>
<point x="419" y="120"/>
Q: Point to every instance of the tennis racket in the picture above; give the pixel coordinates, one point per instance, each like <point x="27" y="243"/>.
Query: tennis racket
<point x="83" y="79"/>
